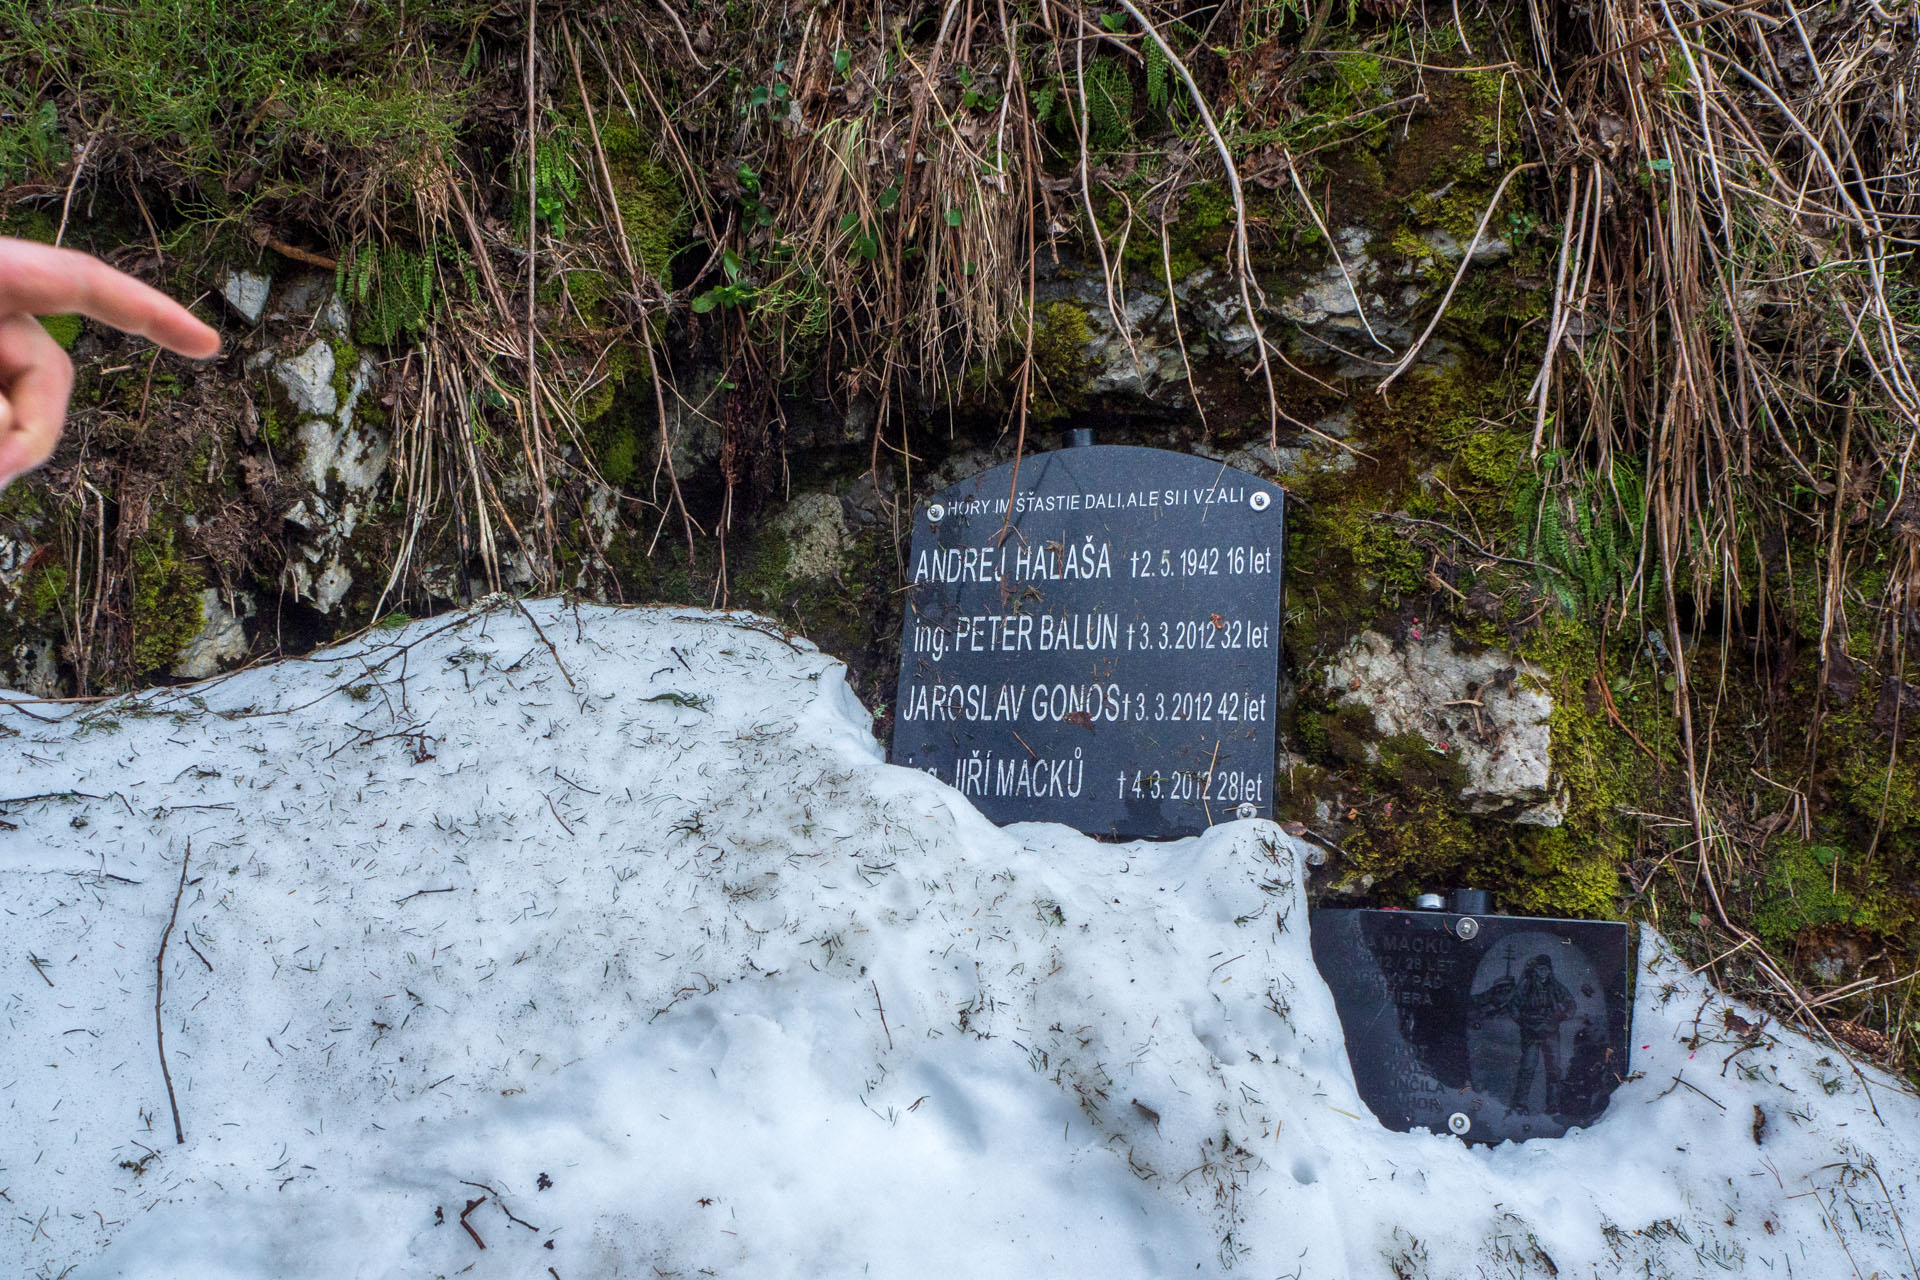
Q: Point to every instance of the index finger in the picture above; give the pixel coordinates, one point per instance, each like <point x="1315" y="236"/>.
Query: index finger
<point x="41" y="280"/>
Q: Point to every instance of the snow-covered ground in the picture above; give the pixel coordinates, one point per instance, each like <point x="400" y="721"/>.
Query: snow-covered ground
<point x="618" y="930"/>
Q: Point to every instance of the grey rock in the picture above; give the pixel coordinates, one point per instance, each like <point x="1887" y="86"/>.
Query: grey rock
<point x="693" y="424"/>
<point x="304" y="298"/>
<point x="246" y="292"/>
<point x="815" y="526"/>
<point x="871" y="498"/>
<point x="222" y="641"/>
<point x="1488" y="249"/>
<point x="333" y="314"/>
<point x="308" y="379"/>
<point x="355" y="456"/>
<point x="36" y="668"/>
<point x="324" y="588"/>
<point x="14" y="555"/>
<point x="441" y="580"/>
<point x="1427" y="687"/>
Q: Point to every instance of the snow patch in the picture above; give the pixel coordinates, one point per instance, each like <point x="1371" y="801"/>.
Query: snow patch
<point x="614" y="926"/>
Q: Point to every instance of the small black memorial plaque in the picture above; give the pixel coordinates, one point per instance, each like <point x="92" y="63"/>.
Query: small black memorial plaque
<point x="1490" y="1027"/>
<point x="1098" y="643"/>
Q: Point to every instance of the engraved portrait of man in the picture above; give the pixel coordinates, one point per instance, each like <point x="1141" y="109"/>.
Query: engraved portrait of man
<point x="1523" y="1023"/>
<point x="1538" y="1004"/>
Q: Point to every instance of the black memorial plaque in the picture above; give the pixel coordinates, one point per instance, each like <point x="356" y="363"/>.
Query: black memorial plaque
<point x="1516" y="1030"/>
<point x="1098" y="645"/>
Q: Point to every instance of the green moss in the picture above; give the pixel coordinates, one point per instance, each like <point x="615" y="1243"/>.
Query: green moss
<point x="1406" y="840"/>
<point x="589" y="291"/>
<point x="42" y="593"/>
<point x="1489" y="461"/>
<point x="166" y="603"/>
<point x="1388" y="563"/>
<point x="22" y="503"/>
<point x="620" y="459"/>
<point x="659" y="574"/>
<point x="273" y="432"/>
<point x="598" y="402"/>
<point x="763" y="582"/>
<point x="1407" y="760"/>
<point x="1800" y="890"/>
<point x="1310" y="734"/>
<point x="64" y="330"/>
<point x="1348" y="735"/>
<point x="1197" y="234"/>
<point x="1574" y="869"/>
<point x="346" y="363"/>
<point x="1340" y="88"/>
<point x="653" y="208"/>
<point x="1877" y="789"/>
<point x="26" y="222"/>
<point x="1061" y="333"/>
<point x="1558" y="871"/>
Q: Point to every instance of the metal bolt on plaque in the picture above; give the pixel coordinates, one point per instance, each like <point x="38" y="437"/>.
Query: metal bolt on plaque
<point x="1092" y="637"/>
<point x="1485" y="1026"/>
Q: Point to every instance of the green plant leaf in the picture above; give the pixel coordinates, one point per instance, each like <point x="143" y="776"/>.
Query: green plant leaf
<point x="842" y="59"/>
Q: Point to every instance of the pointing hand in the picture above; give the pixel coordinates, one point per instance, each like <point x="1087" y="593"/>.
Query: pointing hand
<point x="35" y="375"/>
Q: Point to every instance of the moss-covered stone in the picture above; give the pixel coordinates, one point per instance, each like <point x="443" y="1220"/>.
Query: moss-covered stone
<point x="1061" y="333"/>
<point x="166" y="603"/>
<point x="1801" y="890"/>
<point x="653" y="208"/>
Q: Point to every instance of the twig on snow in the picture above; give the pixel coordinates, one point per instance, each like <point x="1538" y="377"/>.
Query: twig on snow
<point x="159" y="983"/>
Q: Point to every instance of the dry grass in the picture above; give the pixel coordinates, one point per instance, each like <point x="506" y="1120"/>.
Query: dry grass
<point x="1733" y="317"/>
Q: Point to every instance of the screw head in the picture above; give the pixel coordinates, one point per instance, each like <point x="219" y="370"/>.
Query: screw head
<point x="1247" y="810"/>
<point x="1260" y="501"/>
<point x="936" y="513"/>
<point x="1458" y="1124"/>
<point x="1467" y="927"/>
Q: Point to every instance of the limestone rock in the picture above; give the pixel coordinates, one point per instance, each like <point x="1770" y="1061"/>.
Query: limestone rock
<point x="246" y="292"/>
<point x="308" y="379"/>
<point x="222" y="641"/>
<point x="309" y="299"/>
<point x="815" y="526"/>
<point x="1487" y="709"/>
<point x="35" y="669"/>
<point x="15" y="554"/>
<point x="341" y="459"/>
<point x="1488" y="249"/>
<point x="325" y="588"/>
